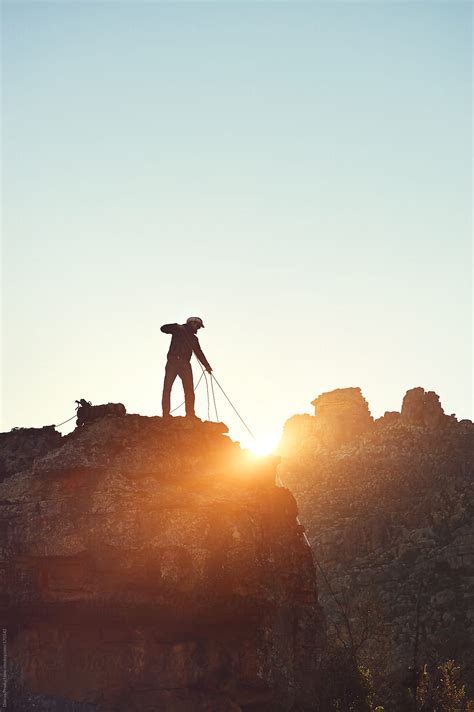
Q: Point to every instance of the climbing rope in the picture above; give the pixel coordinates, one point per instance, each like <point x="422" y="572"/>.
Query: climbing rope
<point x="214" y="399"/>
<point x="195" y="387"/>
<point x="207" y="392"/>
<point x="233" y="406"/>
<point x="279" y="481"/>
<point x="225" y="394"/>
<point x="65" y="421"/>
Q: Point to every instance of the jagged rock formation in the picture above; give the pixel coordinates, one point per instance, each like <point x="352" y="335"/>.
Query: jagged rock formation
<point x="340" y="416"/>
<point x="389" y="514"/>
<point x="153" y="565"/>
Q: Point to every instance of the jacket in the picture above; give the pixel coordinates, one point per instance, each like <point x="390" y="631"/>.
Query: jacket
<point x="183" y="343"/>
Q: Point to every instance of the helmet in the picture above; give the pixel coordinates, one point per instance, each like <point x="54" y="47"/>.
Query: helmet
<point x="195" y="318"/>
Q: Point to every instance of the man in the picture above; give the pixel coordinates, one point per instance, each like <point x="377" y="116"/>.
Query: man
<point x="183" y="342"/>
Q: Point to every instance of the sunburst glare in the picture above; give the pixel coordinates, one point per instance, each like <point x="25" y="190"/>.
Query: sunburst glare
<point x="264" y="444"/>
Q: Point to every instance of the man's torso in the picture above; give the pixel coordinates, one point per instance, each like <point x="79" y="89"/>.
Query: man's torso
<point x="182" y="343"/>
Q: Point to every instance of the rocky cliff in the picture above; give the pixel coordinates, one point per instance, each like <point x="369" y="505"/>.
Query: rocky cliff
<point x="153" y="565"/>
<point x="388" y="508"/>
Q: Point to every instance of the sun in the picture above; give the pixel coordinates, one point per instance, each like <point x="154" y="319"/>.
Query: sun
<point x="265" y="444"/>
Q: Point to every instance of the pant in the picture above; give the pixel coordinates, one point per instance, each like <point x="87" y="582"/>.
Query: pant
<point x="182" y="368"/>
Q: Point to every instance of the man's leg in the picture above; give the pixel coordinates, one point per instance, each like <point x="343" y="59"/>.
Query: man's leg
<point x="171" y="372"/>
<point x="186" y="375"/>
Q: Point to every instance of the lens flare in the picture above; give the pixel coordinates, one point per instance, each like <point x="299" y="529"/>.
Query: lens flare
<point x="265" y="444"/>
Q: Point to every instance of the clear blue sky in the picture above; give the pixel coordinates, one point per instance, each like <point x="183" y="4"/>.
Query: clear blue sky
<point x="298" y="174"/>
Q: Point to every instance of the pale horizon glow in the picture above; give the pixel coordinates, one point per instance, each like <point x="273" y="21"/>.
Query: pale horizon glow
<point x="297" y="174"/>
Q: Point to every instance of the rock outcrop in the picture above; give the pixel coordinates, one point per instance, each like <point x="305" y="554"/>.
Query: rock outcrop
<point x="422" y="407"/>
<point x="153" y="565"/>
<point x="340" y="416"/>
<point x="389" y="514"/>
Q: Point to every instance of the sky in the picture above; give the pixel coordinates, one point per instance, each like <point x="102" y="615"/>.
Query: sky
<point x="297" y="174"/>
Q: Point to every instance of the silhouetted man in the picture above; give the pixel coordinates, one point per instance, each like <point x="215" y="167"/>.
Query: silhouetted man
<point x="183" y="342"/>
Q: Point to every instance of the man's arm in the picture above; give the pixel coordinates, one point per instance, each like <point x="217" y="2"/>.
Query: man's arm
<point x="170" y="328"/>
<point x="198" y="351"/>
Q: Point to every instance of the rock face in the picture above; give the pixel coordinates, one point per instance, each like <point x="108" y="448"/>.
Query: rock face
<point x="422" y="408"/>
<point x="20" y="447"/>
<point x="389" y="514"/>
<point x="153" y="565"/>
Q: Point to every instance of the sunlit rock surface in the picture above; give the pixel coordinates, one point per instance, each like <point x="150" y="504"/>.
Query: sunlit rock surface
<point x="153" y="565"/>
<point x="340" y="416"/>
<point x="389" y="514"/>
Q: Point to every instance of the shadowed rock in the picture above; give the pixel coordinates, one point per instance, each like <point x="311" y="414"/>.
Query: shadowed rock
<point x="423" y="408"/>
<point x="21" y="446"/>
<point x="390" y="518"/>
<point x="390" y="417"/>
<point x="152" y="564"/>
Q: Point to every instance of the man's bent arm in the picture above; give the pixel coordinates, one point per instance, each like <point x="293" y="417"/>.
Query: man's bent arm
<point x="169" y="328"/>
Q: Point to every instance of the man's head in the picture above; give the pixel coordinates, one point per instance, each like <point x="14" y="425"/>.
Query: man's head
<point x="195" y="323"/>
